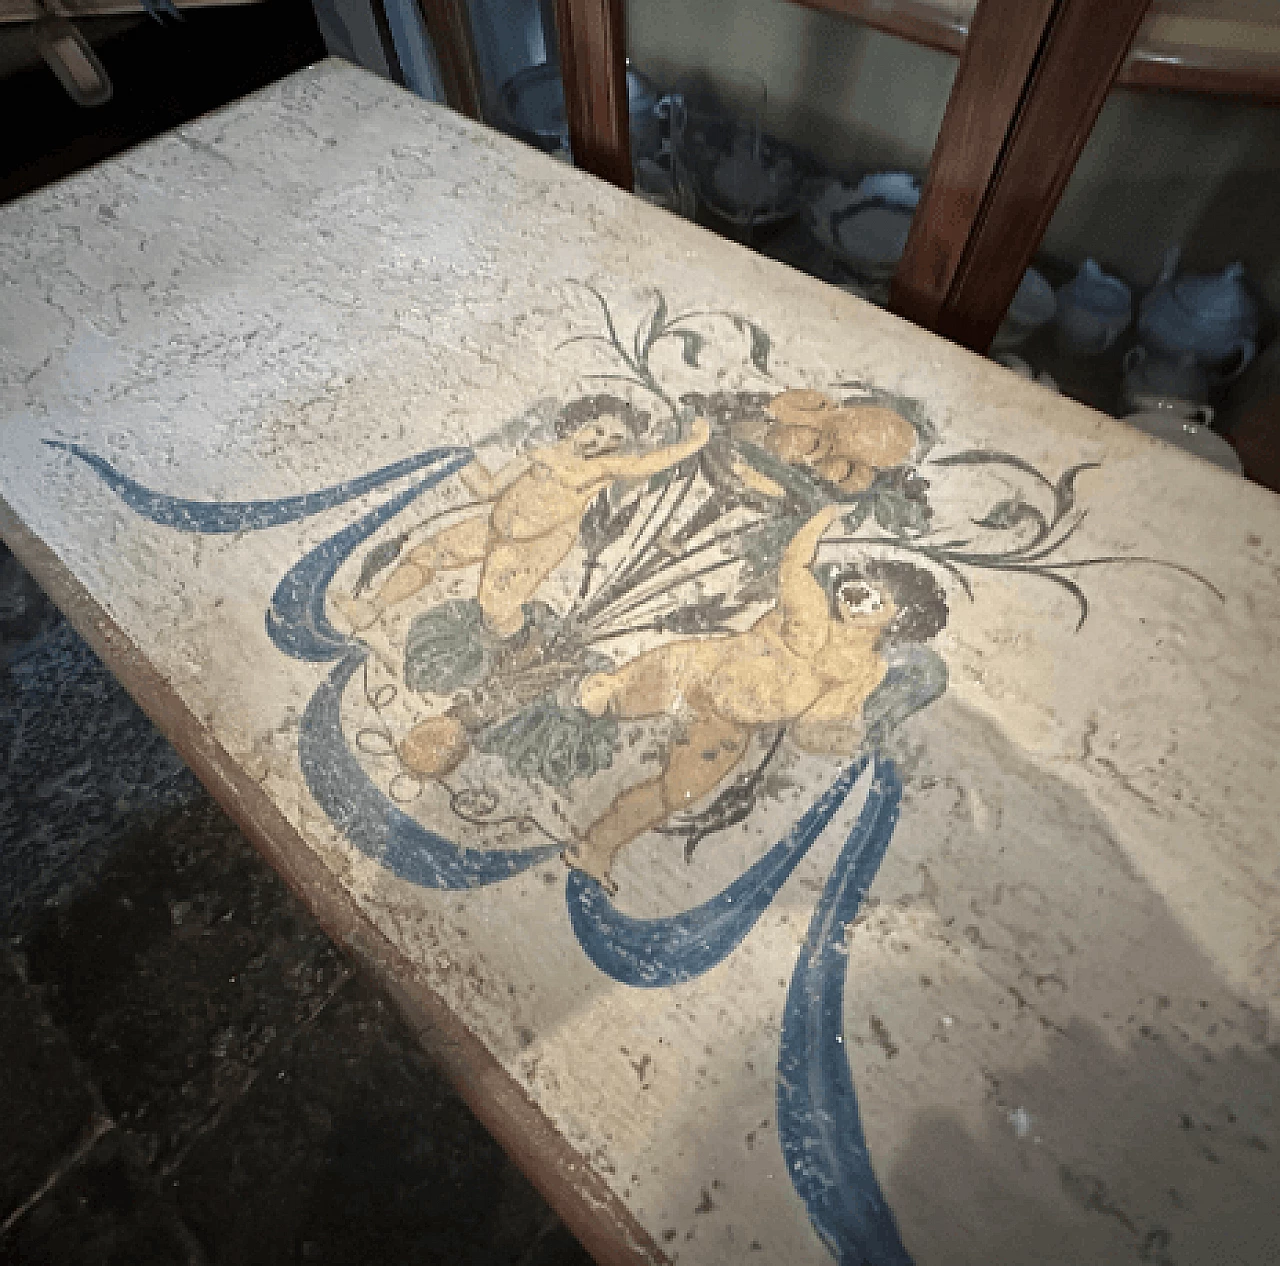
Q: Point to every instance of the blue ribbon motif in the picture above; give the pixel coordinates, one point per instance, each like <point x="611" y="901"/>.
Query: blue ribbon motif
<point x="221" y="517"/>
<point x="654" y="953"/>
<point x="296" y="619"/>
<point x="369" y="819"/>
<point x="818" y="1121"/>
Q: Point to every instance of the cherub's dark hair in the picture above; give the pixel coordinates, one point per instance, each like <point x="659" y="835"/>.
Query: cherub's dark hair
<point x="920" y="600"/>
<point x="577" y="413"/>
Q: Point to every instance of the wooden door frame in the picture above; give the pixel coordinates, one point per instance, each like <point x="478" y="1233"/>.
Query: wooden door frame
<point x="1004" y="155"/>
<point x="1032" y="79"/>
<point x="996" y="63"/>
<point x="449" y="28"/>
<point x="592" y="36"/>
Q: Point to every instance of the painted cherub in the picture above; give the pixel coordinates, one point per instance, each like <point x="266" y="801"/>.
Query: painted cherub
<point x="810" y="663"/>
<point x="535" y="508"/>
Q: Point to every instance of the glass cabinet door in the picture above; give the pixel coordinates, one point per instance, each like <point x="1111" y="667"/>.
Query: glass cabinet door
<point x="804" y="134"/>
<point x="1165" y="256"/>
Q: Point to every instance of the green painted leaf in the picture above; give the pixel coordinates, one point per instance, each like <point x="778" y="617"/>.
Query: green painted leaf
<point x="447" y="647"/>
<point x="658" y="323"/>
<point x="901" y="515"/>
<point x="760" y="342"/>
<point x="1064" y="492"/>
<point x="989" y="457"/>
<point x="553" y="744"/>
<point x="693" y="343"/>
<point x="1011" y="514"/>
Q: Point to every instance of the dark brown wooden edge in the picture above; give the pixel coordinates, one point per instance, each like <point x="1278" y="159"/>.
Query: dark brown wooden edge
<point x="592" y="36"/>
<point x="449" y="26"/>
<point x="601" y="1222"/>
<point x="1087" y="43"/>
<point x="996" y="64"/>
<point x="1147" y="70"/>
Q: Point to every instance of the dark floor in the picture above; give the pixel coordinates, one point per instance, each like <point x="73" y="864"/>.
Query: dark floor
<point x="189" y="1071"/>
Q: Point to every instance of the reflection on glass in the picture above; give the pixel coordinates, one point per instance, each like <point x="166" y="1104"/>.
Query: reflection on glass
<point x="724" y="163"/>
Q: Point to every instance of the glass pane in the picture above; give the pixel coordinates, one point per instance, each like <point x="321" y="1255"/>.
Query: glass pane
<point x="789" y="111"/>
<point x="515" y="45"/>
<point x="801" y="133"/>
<point x="1175" y="200"/>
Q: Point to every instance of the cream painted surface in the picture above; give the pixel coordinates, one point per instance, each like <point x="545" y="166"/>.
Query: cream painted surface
<point x="1075" y="936"/>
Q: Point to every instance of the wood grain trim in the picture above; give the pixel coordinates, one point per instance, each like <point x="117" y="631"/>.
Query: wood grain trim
<point x="1086" y="45"/>
<point x="601" y="1222"/>
<point x="449" y="26"/>
<point x="919" y="26"/>
<point x="997" y="62"/>
<point x="593" y="62"/>
<point x="1147" y="70"/>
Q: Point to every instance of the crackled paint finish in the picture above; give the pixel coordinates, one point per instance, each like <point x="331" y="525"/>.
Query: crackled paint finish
<point x="831" y="775"/>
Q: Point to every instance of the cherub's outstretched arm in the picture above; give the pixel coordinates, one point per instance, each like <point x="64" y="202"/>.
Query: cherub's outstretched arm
<point x="642" y="465"/>
<point x="806" y="612"/>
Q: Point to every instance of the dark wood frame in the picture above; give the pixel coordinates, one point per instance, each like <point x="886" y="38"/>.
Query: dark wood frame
<point x="1033" y="77"/>
<point x="592" y="36"/>
<point x="1085" y="44"/>
<point x="998" y="61"/>
<point x="449" y="26"/>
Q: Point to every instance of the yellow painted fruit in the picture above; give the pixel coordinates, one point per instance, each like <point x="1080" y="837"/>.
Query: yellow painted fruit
<point x="869" y="433"/>
<point x="799" y="408"/>
<point x="858" y="479"/>
<point x="434" y="747"/>
<point x="798" y="444"/>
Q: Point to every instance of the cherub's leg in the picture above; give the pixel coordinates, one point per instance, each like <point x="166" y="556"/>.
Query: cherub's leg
<point x="513" y="571"/>
<point x="692" y="767"/>
<point x="698" y="761"/>
<point x="656" y="683"/>
<point x="456" y="546"/>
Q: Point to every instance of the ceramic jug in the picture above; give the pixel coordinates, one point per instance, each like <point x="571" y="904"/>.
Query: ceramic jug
<point x="1211" y="316"/>
<point x="1034" y="305"/>
<point x="866" y="228"/>
<point x="1161" y="381"/>
<point x="1094" y="309"/>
